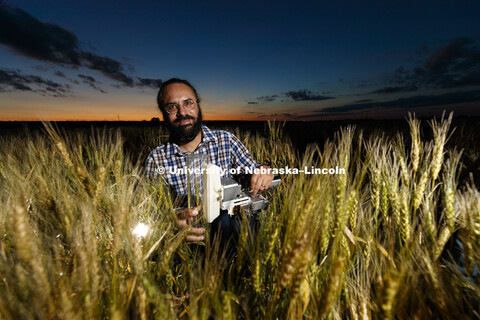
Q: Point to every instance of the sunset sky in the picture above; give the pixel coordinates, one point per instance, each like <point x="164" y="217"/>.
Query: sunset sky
<point x="250" y="60"/>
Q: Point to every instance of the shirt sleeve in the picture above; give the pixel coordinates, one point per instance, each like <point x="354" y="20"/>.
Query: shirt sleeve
<point x="241" y="157"/>
<point x="150" y="167"/>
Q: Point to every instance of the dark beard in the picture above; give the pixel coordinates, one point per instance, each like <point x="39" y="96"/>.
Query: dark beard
<point x="184" y="134"/>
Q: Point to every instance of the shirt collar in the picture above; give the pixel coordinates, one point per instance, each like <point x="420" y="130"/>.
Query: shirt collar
<point x="171" y="149"/>
<point x="207" y="135"/>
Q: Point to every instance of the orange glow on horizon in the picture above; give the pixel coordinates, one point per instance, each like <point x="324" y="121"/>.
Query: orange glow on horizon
<point x="124" y="107"/>
<point x="104" y="108"/>
<point x="123" y="117"/>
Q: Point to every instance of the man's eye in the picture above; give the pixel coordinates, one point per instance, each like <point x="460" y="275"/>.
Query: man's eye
<point x="171" y="107"/>
<point x="188" y="103"/>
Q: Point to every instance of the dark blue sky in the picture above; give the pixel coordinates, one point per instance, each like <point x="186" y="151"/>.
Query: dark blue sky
<point x="249" y="60"/>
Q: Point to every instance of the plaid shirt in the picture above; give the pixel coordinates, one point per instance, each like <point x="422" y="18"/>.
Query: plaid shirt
<point x="222" y="148"/>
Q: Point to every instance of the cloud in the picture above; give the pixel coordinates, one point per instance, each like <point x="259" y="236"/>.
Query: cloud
<point x="109" y="67"/>
<point x="42" y="41"/>
<point x="455" y="65"/>
<point x="13" y="80"/>
<point x="299" y="95"/>
<point x="267" y="98"/>
<point x="387" y="90"/>
<point x="263" y="99"/>
<point x="91" y="82"/>
<point x="409" y="103"/>
<point x="30" y="37"/>
<point x="86" y="79"/>
<point x="152" y="83"/>
<point x="305" y="95"/>
<point x="43" y="68"/>
<point x="355" y="82"/>
<point x="283" y="114"/>
<point x="275" y="114"/>
<point x="60" y="74"/>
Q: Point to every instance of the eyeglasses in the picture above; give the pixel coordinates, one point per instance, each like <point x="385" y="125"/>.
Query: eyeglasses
<point x="186" y="104"/>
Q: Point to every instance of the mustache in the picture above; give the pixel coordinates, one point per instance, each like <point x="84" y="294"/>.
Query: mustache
<point x="180" y="118"/>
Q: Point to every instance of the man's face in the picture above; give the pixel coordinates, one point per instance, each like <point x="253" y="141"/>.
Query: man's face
<point x="184" y="125"/>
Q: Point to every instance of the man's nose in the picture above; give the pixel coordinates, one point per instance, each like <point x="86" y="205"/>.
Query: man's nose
<point x="181" y="110"/>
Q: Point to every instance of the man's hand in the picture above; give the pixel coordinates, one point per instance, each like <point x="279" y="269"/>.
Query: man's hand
<point x="184" y="217"/>
<point x="261" y="181"/>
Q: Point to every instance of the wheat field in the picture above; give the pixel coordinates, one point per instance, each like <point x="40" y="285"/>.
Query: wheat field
<point x="396" y="237"/>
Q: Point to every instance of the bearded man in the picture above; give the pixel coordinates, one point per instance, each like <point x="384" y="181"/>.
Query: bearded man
<point x="180" y="105"/>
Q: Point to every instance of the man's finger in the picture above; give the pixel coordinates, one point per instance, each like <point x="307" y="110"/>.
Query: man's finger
<point x="255" y="188"/>
<point x="267" y="182"/>
<point x="194" y="211"/>
<point x="197" y="230"/>
<point x="186" y="223"/>
<point x="253" y="180"/>
<point x="182" y="223"/>
<point x="181" y="213"/>
<point x="254" y="183"/>
<point x="261" y="184"/>
<point x="186" y="213"/>
<point x="191" y="238"/>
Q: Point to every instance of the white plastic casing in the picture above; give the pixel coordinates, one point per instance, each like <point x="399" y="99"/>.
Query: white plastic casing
<point x="212" y="192"/>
